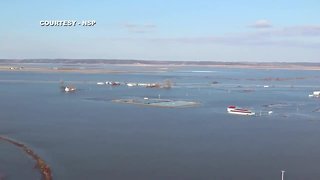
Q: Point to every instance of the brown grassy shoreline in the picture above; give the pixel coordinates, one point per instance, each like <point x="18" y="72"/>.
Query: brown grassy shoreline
<point x="153" y="68"/>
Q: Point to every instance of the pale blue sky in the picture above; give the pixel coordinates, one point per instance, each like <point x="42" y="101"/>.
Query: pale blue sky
<point x="234" y="30"/>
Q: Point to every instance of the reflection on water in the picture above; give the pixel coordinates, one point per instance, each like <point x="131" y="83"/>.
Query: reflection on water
<point x="85" y="139"/>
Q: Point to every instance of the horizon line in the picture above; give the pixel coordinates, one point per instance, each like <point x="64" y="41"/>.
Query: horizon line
<point x="157" y="60"/>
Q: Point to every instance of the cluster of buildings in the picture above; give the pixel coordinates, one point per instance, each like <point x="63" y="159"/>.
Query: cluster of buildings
<point x="147" y="85"/>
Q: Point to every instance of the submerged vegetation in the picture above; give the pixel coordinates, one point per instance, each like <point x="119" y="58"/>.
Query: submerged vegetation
<point x="40" y="163"/>
<point x="167" y="103"/>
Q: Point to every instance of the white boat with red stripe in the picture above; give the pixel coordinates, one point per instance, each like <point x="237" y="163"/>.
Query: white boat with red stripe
<point x="240" y="111"/>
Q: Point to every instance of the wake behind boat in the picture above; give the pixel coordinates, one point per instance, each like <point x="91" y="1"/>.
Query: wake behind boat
<point x="240" y="111"/>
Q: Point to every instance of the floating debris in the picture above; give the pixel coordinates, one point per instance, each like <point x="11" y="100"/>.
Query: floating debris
<point x="315" y="94"/>
<point x="153" y="85"/>
<point x="131" y="84"/>
<point x="40" y="163"/>
<point x="16" y="68"/>
<point x="167" y="84"/>
<point x="264" y="113"/>
<point x="113" y="83"/>
<point x="100" y="83"/>
<point x="168" y="103"/>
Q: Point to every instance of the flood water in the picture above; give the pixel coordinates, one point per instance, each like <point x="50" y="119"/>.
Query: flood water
<point x="84" y="135"/>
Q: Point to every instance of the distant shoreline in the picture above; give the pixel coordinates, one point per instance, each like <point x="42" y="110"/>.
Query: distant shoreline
<point x="65" y="65"/>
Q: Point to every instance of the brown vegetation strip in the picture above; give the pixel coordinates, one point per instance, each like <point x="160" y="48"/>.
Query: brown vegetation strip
<point x="40" y="163"/>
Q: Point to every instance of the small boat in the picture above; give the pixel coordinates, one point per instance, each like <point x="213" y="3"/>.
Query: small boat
<point x="240" y="111"/>
<point x="69" y="89"/>
<point x="100" y="83"/>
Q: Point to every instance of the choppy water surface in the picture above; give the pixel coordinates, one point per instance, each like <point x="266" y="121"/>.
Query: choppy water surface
<point x="86" y="136"/>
